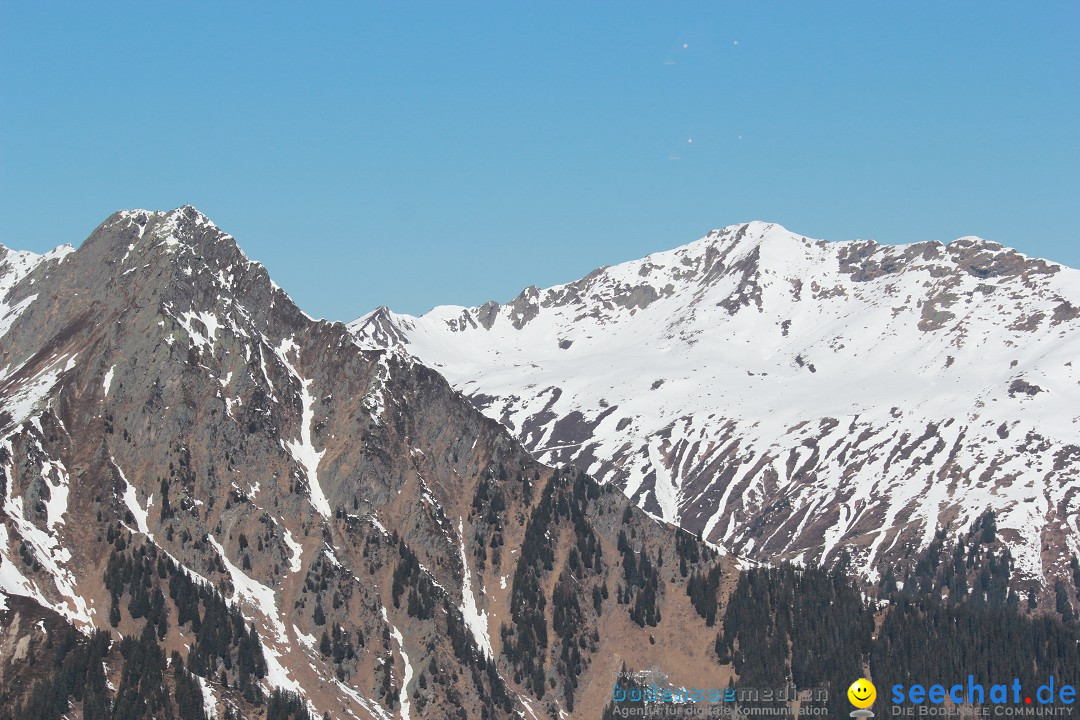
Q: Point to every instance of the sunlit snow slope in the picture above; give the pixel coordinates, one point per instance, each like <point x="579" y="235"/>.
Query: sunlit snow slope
<point x="791" y="398"/>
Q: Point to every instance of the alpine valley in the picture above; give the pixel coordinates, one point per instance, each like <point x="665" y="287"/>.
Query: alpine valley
<point x="215" y="506"/>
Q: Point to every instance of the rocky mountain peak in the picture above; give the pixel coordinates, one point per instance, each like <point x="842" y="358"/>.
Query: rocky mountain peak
<point x="187" y="459"/>
<point x="131" y="237"/>
<point x="382" y="325"/>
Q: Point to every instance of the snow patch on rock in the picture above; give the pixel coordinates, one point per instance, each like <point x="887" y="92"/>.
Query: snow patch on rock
<point x="475" y="619"/>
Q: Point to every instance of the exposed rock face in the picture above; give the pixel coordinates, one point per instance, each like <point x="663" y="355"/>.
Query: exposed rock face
<point x="161" y="398"/>
<point x="792" y="399"/>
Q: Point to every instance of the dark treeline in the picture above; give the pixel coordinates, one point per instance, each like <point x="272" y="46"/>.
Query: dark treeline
<point x="225" y="651"/>
<point x="956" y="612"/>
<point x="576" y="600"/>
<point x="787" y="625"/>
<point x="285" y="705"/>
<point x="150" y="686"/>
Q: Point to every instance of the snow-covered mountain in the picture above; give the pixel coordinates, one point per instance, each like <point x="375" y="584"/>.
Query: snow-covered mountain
<point x="790" y="398"/>
<point x="257" y="503"/>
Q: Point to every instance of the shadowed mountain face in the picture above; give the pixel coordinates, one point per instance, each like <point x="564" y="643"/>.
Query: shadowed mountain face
<point x="788" y="398"/>
<point x="178" y="439"/>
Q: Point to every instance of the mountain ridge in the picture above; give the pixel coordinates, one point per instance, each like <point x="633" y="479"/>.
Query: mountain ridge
<point x="625" y="371"/>
<point x="738" y="230"/>
<point x="248" y="515"/>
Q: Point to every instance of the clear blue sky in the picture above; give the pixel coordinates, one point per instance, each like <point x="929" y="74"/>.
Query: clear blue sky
<point x="419" y="153"/>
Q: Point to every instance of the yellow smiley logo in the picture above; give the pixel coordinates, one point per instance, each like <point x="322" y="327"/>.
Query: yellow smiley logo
<point x="862" y="693"/>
